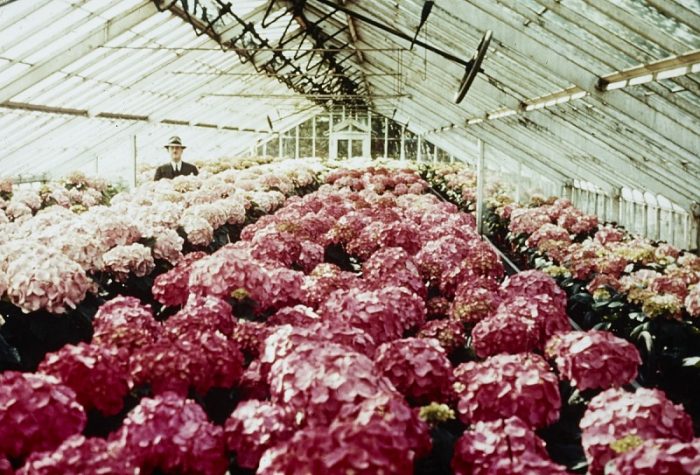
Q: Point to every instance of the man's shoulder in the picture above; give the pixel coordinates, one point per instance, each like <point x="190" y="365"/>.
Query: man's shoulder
<point x="163" y="167"/>
<point x="187" y="164"/>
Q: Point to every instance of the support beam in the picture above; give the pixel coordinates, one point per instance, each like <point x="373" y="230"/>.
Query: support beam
<point x="91" y="41"/>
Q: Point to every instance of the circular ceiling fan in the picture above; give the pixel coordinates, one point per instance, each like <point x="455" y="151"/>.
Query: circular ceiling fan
<point x="473" y="67"/>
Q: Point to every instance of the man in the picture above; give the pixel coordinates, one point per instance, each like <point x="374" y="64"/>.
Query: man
<point x="176" y="167"/>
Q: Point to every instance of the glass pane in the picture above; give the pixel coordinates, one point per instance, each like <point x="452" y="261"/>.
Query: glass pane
<point x="342" y="149"/>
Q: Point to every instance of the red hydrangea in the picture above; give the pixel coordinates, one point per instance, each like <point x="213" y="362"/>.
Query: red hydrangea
<point x="615" y="415"/>
<point x="594" y="359"/>
<point x="440" y="255"/>
<point x="37" y="413"/>
<point x="253" y="384"/>
<point x="285" y="339"/>
<point x="250" y="337"/>
<point x="78" y="455"/>
<point x="502" y="447"/>
<point x="228" y="269"/>
<point x="533" y="282"/>
<point x="473" y="303"/>
<point x="5" y="466"/>
<point x="203" y="360"/>
<point x="549" y="317"/>
<point x="394" y="266"/>
<point x="124" y="322"/>
<point x="609" y="234"/>
<point x="385" y="314"/>
<point x="417" y="367"/>
<point x="401" y="234"/>
<point x="669" y="285"/>
<point x="508" y="385"/>
<point x="658" y="457"/>
<point x="505" y="333"/>
<point x="99" y="375"/>
<point x="324" y="280"/>
<point x="173" y="434"/>
<point x="299" y="315"/>
<point x="340" y="449"/>
<point x="527" y="221"/>
<point x="172" y="288"/>
<point x="310" y="256"/>
<point x="202" y="314"/>
<point x="603" y="280"/>
<point x="317" y="381"/>
<point x="449" y="333"/>
<point x="284" y="288"/>
<point x="254" y="427"/>
<point x="280" y="248"/>
<point x="437" y="307"/>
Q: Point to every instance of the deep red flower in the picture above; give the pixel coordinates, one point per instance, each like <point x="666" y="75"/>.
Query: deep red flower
<point x="99" y="375"/>
<point x="473" y="302"/>
<point x="202" y="314"/>
<point x="449" y="333"/>
<point x="124" y="322"/>
<point x="172" y="288"/>
<point x="394" y="266"/>
<point x="508" y="385"/>
<point x="505" y="333"/>
<point x="658" y="456"/>
<point x="37" y="413"/>
<point x="324" y="280"/>
<point x="250" y="337"/>
<point x="417" y="367"/>
<point x="530" y="283"/>
<point x="173" y="435"/>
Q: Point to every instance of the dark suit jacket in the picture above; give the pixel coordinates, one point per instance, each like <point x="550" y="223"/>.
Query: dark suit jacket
<point x="166" y="171"/>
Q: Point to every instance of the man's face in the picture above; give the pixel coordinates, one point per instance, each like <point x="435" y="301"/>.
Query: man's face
<point x="175" y="153"/>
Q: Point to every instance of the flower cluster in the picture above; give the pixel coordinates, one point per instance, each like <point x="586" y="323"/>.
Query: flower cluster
<point x="417" y="367"/>
<point x="172" y="287"/>
<point x="508" y="385"/>
<point x="98" y="375"/>
<point x="124" y="323"/>
<point x="37" y="413"/>
<point x="615" y="414"/>
<point x="594" y="359"/>
<point x="658" y="456"/>
<point x="449" y="334"/>
<point x="173" y="435"/>
<point x="123" y="261"/>
<point x="502" y="447"/>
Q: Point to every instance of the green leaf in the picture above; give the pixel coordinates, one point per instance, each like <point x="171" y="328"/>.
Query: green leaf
<point x="615" y="305"/>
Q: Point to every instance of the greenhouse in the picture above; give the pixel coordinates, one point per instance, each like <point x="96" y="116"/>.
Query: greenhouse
<point x="344" y="237"/>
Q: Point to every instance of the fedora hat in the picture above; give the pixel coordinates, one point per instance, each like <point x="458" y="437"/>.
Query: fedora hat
<point x="174" y="141"/>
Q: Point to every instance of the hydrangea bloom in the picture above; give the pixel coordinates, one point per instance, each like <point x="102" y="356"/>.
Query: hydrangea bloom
<point x="530" y="283"/>
<point x="250" y="337"/>
<point x="502" y="447"/>
<point x="658" y="457"/>
<point x="692" y="301"/>
<point x="473" y="303"/>
<point x="202" y="314"/>
<point x="594" y="359"/>
<point x="616" y="414"/>
<point x="80" y="455"/>
<point x="324" y="280"/>
<point x="198" y="230"/>
<point x="254" y="427"/>
<point x="203" y="360"/>
<point x="49" y="281"/>
<point x="385" y="314"/>
<point x="98" y="375"/>
<point x="318" y="382"/>
<point x="508" y="385"/>
<point x="123" y="261"/>
<point x="527" y="221"/>
<point x="549" y="317"/>
<point x="172" y="288"/>
<point x="449" y="333"/>
<point x="124" y="323"/>
<point x="394" y="266"/>
<point x="174" y="435"/>
<point x="46" y="411"/>
<point x="505" y="333"/>
<point x="298" y="315"/>
<point x="417" y="367"/>
<point x="168" y="246"/>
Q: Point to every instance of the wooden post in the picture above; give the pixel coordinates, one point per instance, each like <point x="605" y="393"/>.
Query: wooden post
<point x="480" y="188"/>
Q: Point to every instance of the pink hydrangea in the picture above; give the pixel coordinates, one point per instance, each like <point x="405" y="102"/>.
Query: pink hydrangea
<point x="505" y="333"/>
<point x="298" y="315"/>
<point x="202" y="360"/>
<point x="324" y="280"/>
<point x="449" y="333"/>
<point x="438" y="256"/>
<point x="669" y="285"/>
<point x="172" y="288"/>
<point x="394" y="266"/>
<point x="280" y="248"/>
<point x="658" y="457"/>
<point x="609" y="234"/>
<point x="548" y="316"/>
<point x="603" y="280"/>
<point x="614" y="415"/>
<point x="229" y="269"/>
<point x="527" y="220"/>
<point x="417" y="367"/>
<point x="548" y="232"/>
<point x="385" y="314"/>
<point x="99" y="375"/>
<point x="172" y="434"/>
<point x="250" y="337"/>
<point x="254" y="427"/>
<point x="317" y="382"/>
<point x="124" y="322"/>
<point x="198" y="230"/>
<point x="437" y="307"/>
<point x="310" y="256"/>
<point x="401" y="234"/>
<point x="202" y="314"/>
<point x="78" y="455"/>
<point x="124" y="261"/>
<point x="37" y="413"/>
<point x="508" y="385"/>
<point x="594" y="359"/>
<point x="5" y="465"/>
<point x="473" y="303"/>
<point x="51" y="281"/>
<point x="502" y="447"/>
<point x="692" y="301"/>
<point x="168" y="246"/>
<point x="532" y="282"/>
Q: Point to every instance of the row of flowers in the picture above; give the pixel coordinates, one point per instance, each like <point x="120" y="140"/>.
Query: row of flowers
<point x="354" y="326"/>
